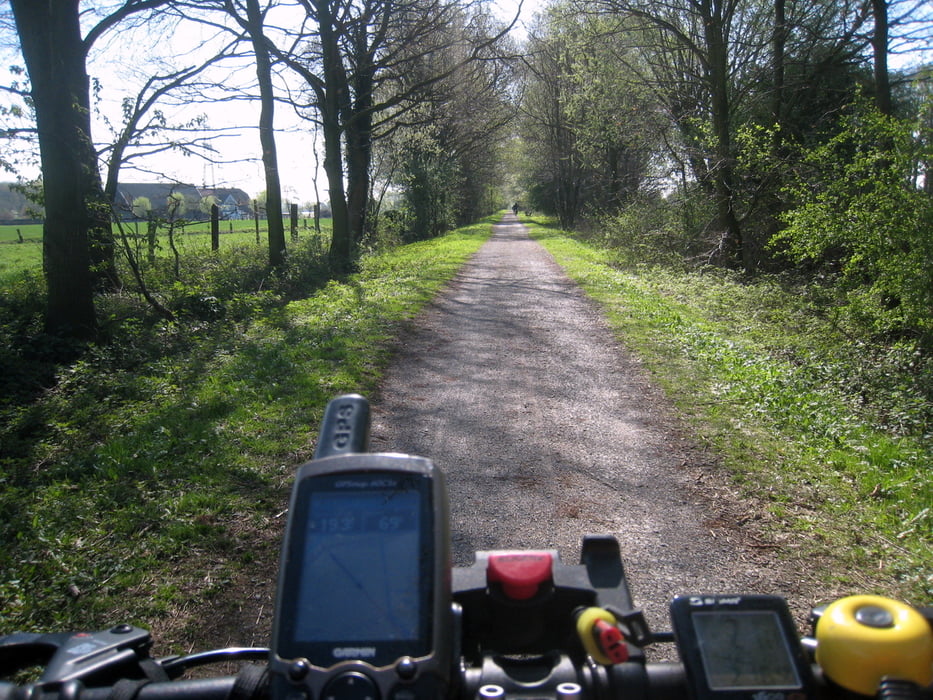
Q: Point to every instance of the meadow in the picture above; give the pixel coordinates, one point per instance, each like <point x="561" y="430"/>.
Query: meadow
<point x="21" y="244"/>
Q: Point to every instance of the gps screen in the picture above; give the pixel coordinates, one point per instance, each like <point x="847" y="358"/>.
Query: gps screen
<point x="744" y="650"/>
<point x="359" y="573"/>
<point x="361" y="567"/>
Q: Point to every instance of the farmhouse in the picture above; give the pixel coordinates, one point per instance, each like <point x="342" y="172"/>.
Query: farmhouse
<point x="233" y="203"/>
<point x="178" y="200"/>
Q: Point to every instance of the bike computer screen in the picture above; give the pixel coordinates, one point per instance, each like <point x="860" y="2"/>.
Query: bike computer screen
<point x="739" y="646"/>
<point x="359" y="570"/>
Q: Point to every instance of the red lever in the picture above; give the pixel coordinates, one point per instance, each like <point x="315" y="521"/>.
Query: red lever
<point x="520" y="573"/>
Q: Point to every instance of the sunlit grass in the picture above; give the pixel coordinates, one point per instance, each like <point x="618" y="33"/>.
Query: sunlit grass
<point x="168" y="453"/>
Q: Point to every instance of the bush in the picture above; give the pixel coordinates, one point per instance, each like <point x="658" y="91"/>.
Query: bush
<point x="656" y="230"/>
<point x="863" y="218"/>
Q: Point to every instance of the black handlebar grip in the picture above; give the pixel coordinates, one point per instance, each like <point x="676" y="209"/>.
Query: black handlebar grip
<point x="194" y="689"/>
<point x="345" y="428"/>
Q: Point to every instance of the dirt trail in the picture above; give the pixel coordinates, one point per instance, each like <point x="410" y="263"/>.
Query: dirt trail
<point x="547" y="429"/>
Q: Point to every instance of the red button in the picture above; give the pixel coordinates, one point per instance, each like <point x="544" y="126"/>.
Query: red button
<point x="520" y="573"/>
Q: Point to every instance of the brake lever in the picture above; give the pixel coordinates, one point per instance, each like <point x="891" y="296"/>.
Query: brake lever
<point x="90" y="657"/>
<point x="174" y="666"/>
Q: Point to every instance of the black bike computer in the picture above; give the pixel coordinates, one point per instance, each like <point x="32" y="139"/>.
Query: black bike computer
<point x="363" y="603"/>
<point x="740" y="647"/>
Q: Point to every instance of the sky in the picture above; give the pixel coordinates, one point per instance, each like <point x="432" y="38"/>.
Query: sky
<point x="295" y="141"/>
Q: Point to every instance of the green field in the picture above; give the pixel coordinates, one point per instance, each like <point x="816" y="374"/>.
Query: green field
<point x="31" y="232"/>
<point x="16" y="256"/>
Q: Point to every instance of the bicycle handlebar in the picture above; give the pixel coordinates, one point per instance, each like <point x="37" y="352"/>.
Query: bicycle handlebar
<point x="553" y="675"/>
<point x="633" y="681"/>
<point x="190" y="689"/>
<point x="521" y="626"/>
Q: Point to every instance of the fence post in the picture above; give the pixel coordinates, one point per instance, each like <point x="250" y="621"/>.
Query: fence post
<point x="293" y="210"/>
<point x="215" y="227"/>
<point x="152" y="228"/>
<point x="256" y="219"/>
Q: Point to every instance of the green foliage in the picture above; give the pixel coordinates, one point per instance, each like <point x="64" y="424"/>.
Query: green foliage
<point x="429" y="179"/>
<point x="653" y="230"/>
<point x="862" y="217"/>
<point x="602" y="100"/>
<point x="24" y="367"/>
<point x="141" y="207"/>
<point x="445" y="163"/>
<point x="175" y="205"/>
<point x="206" y="203"/>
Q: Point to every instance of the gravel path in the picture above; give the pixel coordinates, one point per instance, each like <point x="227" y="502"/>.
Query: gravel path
<point x="548" y="429"/>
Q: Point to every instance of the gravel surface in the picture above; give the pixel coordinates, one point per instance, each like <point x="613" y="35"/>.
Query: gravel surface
<point x="548" y="429"/>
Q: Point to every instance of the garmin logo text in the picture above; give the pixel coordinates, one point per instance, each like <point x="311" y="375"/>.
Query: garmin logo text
<point x="371" y="484"/>
<point x="354" y="652"/>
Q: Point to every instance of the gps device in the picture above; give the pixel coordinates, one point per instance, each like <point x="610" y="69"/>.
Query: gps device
<point x="740" y="647"/>
<point x="363" y="607"/>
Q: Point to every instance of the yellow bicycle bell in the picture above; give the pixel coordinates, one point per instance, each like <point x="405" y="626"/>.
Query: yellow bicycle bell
<point x="862" y="639"/>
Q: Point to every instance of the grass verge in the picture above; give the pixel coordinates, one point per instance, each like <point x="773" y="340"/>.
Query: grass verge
<point x="148" y="478"/>
<point x="832" y="435"/>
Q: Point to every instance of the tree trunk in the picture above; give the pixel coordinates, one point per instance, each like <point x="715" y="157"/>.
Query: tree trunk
<point x="267" y="136"/>
<point x="50" y="36"/>
<point x="360" y="139"/>
<point x="779" y="41"/>
<point x="359" y="158"/>
<point x="335" y="93"/>
<point x="341" y="249"/>
<point x="720" y="108"/>
<point x="358" y="164"/>
<point x="879" y="43"/>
